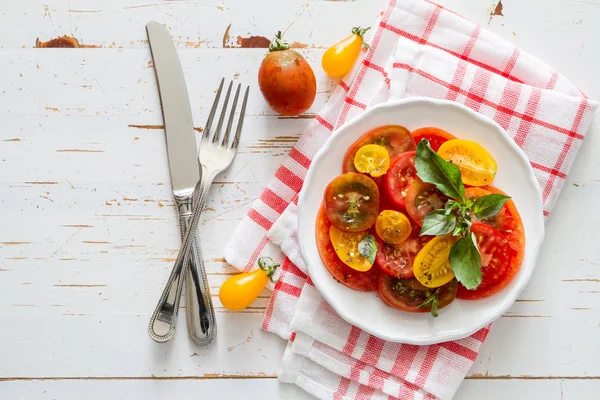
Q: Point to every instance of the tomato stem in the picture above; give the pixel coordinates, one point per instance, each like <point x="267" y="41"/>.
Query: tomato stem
<point x="278" y="44"/>
<point x="357" y="30"/>
<point x="269" y="267"/>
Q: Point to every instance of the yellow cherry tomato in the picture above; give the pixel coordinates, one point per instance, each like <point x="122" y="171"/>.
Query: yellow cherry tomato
<point x="393" y="226"/>
<point x="346" y="247"/>
<point x="477" y="166"/>
<point x="372" y="159"/>
<point x="339" y="58"/>
<point x="432" y="263"/>
<point x="239" y="291"/>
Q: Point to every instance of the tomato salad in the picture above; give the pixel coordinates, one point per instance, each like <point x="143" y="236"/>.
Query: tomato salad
<point x="414" y="217"/>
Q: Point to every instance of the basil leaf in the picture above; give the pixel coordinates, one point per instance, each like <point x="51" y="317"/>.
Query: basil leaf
<point x="465" y="261"/>
<point x="438" y="223"/>
<point x="434" y="169"/>
<point x="488" y="206"/>
<point x="450" y="206"/>
<point x="368" y="248"/>
<point x="433" y="302"/>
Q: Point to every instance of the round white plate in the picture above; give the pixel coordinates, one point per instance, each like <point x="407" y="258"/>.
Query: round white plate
<point x="515" y="176"/>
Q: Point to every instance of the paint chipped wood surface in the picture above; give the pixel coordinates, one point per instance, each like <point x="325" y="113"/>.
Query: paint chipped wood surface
<point x="89" y="232"/>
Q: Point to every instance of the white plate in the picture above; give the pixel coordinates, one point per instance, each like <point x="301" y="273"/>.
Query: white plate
<point x="515" y="176"/>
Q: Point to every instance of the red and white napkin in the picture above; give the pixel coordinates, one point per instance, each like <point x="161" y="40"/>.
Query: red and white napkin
<point x="418" y="48"/>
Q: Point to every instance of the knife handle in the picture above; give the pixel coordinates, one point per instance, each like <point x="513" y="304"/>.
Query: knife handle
<point x="164" y="319"/>
<point x="202" y="327"/>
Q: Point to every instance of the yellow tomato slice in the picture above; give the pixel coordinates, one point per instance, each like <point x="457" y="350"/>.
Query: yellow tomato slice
<point x="432" y="264"/>
<point x="346" y="247"/>
<point x="393" y="226"/>
<point x="477" y="166"/>
<point x="372" y="159"/>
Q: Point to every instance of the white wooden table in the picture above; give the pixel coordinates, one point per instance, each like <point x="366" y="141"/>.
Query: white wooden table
<point x="88" y="231"/>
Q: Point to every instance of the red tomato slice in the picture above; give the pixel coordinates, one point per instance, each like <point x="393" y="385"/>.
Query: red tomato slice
<point x="496" y="254"/>
<point x="399" y="177"/>
<point x="512" y="229"/>
<point x="363" y="281"/>
<point x="352" y="202"/>
<point x="409" y="294"/>
<point x="435" y="136"/>
<point x="397" y="259"/>
<point x="422" y="198"/>
<point x="395" y="138"/>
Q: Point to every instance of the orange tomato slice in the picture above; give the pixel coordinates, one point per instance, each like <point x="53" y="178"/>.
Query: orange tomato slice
<point x="346" y="247"/>
<point x="393" y="226"/>
<point x="432" y="264"/>
<point x="477" y="166"/>
<point x="372" y="159"/>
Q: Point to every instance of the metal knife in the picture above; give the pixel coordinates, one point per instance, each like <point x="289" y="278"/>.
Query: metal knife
<point x="185" y="175"/>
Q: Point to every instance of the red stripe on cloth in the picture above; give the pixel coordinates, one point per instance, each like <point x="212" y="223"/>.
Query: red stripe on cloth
<point x="511" y="63"/>
<point x="549" y="170"/>
<point x="478" y="89"/>
<point x="352" y="340"/>
<point x="256" y="253"/>
<point x="430" y="24"/>
<point x="272" y="200"/>
<point x="372" y="350"/>
<point x="429" y="396"/>
<point x="452" y="52"/>
<point x="404" y="359"/>
<point x="259" y="219"/>
<point x="344" y="86"/>
<point x="288" y="178"/>
<point x="566" y="148"/>
<point x="300" y="158"/>
<point x="481" y="334"/>
<point x="269" y="311"/>
<point x="508" y="100"/>
<point x="408" y="390"/>
<point x="461" y="70"/>
<point x="457" y="80"/>
<point x="459" y="350"/>
<point x="472" y="40"/>
<point x="289" y="289"/>
<point x="293" y="269"/>
<point x="364" y="392"/>
<point x="525" y="126"/>
<point x="324" y="123"/>
<point x="480" y="99"/>
<point x="342" y="389"/>
<point x="430" y="357"/>
<point x="377" y="379"/>
<point x="355" y="103"/>
<point x="553" y="80"/>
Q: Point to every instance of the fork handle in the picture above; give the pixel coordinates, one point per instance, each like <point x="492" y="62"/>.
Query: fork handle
<point x="201" y="321"/>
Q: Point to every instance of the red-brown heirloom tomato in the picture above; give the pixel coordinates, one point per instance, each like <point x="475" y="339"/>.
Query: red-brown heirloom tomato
<point x="286" y="80"/>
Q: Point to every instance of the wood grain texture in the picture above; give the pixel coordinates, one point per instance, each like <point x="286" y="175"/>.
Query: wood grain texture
<point x="89" y="232"/>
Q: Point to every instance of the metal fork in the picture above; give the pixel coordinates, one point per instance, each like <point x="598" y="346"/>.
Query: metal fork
<point x="216" y="154"/>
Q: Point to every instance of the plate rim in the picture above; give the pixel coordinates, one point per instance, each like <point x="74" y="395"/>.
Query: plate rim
<point x="529" y="178"/>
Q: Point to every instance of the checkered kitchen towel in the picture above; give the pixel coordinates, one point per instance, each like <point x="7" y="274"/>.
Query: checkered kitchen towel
<point x="418" y="48"/>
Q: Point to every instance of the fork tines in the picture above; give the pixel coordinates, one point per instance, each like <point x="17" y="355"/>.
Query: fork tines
<point x="215" y="136"/>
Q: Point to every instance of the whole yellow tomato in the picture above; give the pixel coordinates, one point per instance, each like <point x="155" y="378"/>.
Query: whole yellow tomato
<point x="339" y="58"/>
<point x="239" y="291"/>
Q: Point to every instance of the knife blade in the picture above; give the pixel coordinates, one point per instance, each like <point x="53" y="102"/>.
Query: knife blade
<point x="185" y="175"/>
<point x="177" y="115"/>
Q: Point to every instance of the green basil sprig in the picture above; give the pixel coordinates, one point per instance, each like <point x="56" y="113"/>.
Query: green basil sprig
<point x="455" y="217"/>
